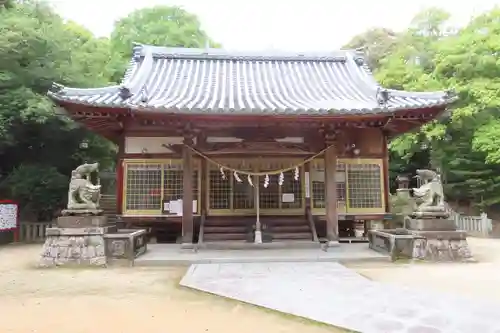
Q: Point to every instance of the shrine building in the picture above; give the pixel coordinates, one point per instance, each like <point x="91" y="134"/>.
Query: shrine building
<point x="215" y="145"/>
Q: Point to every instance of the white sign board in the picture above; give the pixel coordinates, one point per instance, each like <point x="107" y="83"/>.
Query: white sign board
<point x="288" y="197"/>
<point x="175" y="207"/>
<point x="8" y="216"/>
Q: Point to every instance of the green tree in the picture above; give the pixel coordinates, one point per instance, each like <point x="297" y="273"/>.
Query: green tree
<point x="37" y="48"/>
<point x="375" y="43"/>
<point x="162" y="26"/>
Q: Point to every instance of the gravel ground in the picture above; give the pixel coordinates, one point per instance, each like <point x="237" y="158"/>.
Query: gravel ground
<point x="135" y="300"/>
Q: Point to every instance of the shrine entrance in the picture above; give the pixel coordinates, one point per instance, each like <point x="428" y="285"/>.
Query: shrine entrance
<point x="235" y="194"/>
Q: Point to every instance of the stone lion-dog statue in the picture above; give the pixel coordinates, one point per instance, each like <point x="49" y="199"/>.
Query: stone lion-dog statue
<point x="82" y="194"/>
<point x="429" y="195"/>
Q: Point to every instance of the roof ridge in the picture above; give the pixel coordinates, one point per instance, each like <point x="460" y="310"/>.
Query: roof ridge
<point x="140" y="50"/>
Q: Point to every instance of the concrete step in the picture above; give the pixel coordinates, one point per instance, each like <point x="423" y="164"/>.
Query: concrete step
<point x="244" y="245"/>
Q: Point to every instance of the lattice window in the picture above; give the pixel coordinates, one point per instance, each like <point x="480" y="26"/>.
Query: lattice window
<point x="143" y="187"/>
<point x="145" y="190"/>
<point x="219" y="190"/>
<point x="318" y="184"/>
<point x="365" y="189"/>
<point x="173" y="182"/>
<point x="272" y="196"/>
<point x="243" y="193"/>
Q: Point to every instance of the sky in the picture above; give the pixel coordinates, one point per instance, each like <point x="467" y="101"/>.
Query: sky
<point x="293" y="25"/>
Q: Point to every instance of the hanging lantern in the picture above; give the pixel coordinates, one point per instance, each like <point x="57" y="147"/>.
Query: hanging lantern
<point x="266" y="181"/>
<point x="296" y="174"/>
<point x="249" y="178"/>
<point x="281" y="179"/>
<point x="238" y="179"/>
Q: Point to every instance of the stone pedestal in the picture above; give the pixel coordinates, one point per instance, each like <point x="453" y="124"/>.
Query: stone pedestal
<point x="437" y="239"/>
<point x="77" y="240"/>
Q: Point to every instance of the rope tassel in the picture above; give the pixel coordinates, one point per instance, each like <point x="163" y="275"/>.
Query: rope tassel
<point x="222" y="173"/>
<point x="250" y="180"/>
<point x="296" y="174"/>
<point x="238" y="179"/>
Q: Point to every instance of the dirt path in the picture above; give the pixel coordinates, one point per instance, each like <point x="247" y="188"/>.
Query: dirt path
<point x="478" y="280"/>
<point x="123" y="300"/>
<point x="120" y="300"/>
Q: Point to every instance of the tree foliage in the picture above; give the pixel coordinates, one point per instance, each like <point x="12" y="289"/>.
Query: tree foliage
<point x="160" y="25"/>
<point x="39" y="148"/>
<point x="432" y="55"/>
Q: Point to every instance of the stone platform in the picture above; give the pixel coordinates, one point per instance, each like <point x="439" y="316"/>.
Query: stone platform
<point x="174" y="254"/>
<point x="75" y="246"/>
<point x="430" y="239"/>
<point x="88" y="240"/>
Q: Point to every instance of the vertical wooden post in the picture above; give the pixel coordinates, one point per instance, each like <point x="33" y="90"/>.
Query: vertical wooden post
<point x="307" y="187"/>
<point x="332" y="223"/>
<point x="120" y="175"/>
<point x="385" y="174"/>
<point x="187" y="184"/>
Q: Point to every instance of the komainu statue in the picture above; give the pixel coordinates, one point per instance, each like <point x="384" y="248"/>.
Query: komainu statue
<point x="83" y="195"/>
<point x="429" y="196"/>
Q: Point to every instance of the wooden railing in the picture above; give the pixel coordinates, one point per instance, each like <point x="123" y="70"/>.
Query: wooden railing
<point x="33" y="232"/>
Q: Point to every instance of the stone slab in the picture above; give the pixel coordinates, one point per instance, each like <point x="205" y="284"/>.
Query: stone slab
<point x="336" y="295"/>
<point x="449" y="235"/>
<point x="82" y="212"/>
<point x="174" y="254"/>
<point x="81" y="221"/>
<point x="80" y="231"/>
<point x="430" y="224"/>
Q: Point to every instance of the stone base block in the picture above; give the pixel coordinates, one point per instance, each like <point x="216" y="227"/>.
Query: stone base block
<point x="442" y="250"/>
<point x="436" y="246"/>
<point x="74" y="246"/>
<point x="82" y="212"/>
<point x="82" y="221"/>
<point x="125" y="244"/>
<point x="446" y="235"/>
<point x="430" y="224"/>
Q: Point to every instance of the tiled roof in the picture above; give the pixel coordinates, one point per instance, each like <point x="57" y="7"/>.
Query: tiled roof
<point x="209" y="81"/>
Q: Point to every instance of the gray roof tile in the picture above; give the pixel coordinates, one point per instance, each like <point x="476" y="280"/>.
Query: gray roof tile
<point x="183" y="80"/>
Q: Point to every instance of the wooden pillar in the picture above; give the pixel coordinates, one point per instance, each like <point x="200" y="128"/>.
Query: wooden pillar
<point x="385" y="173"/>
<point x="187" y="184"/>
<point x="332" y="223"/>
<point x="120" y="175"/>
<point x="307" y="185"/>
